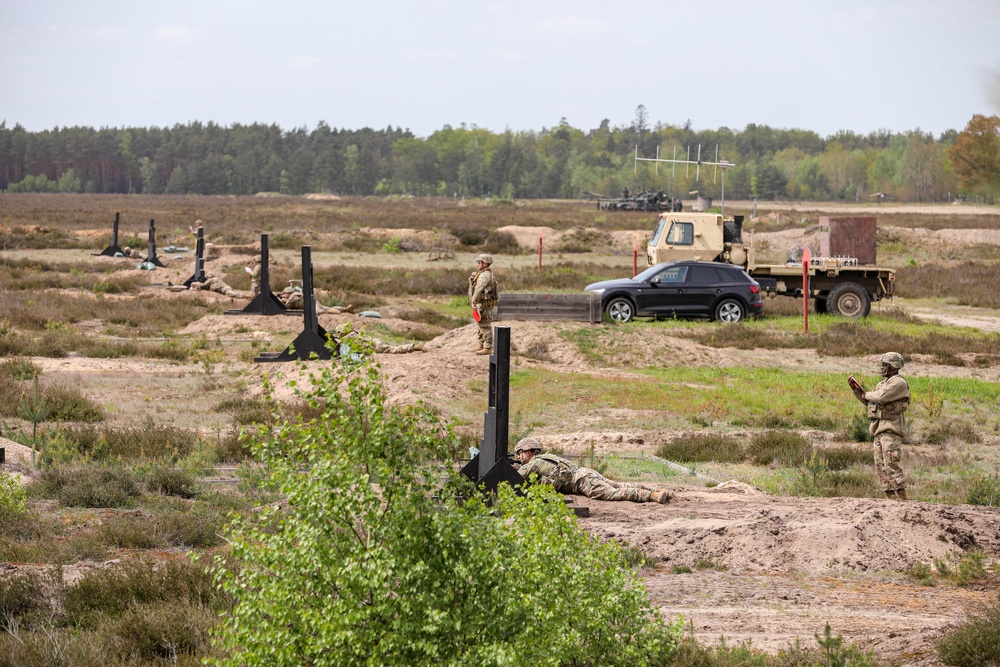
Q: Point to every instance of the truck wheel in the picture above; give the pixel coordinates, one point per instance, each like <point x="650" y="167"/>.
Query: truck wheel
<point x="620" y="310"/>
<point x="849" y="300"/>
<point x="730" y="310"/>
<point x="819" y="304"/>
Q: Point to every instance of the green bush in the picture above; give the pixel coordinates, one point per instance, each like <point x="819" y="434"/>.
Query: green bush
<point x="984" y="490"/>
<point x="22" y="596"/>
<point x="162" y="633"/>
<point x="13" y="499"/>
<point x="975" y="643"/>
<point x="87" y="486"/>
<point x="945" y="430"/>
<point x="172" y="482"/>
<point x="778" y="447"/>
<point x="858" y="429"/>
<point x="110" y="592"/>
<point x="149" y="441"/>
<point x="400" y="570"/>
<point x="502" y="243"/>
<point x="702" y="447"/>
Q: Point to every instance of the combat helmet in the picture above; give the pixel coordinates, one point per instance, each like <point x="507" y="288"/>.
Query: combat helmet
<point x="891" y="360"/>
<point x="485" y="259"/>
<point x="527" y="444"/>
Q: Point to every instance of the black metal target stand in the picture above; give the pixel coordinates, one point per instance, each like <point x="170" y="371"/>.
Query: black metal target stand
<point x="199" y="260"/>
<point x="313" y="338"/>
<point x="151" y="257"/>
<point x="265" y="303"/>
<point x="490" y="466"/>
<point x="113" y="249"/>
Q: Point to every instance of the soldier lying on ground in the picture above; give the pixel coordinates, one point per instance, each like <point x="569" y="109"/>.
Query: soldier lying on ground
<point x="567" y="477"/>
<point x="291" y="296"/>
<point x="346" y="333"/>
<point x="214" y="283"/>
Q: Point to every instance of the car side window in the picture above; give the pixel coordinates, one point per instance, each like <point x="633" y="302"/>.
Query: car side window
<point x="675" y="274"/>
<point x="704" y="274"/>
<point x="681" y="233"/>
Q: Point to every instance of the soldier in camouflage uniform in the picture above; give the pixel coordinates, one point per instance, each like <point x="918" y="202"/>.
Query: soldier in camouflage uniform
<point x="345" y="332"/>
<point x="254" y="277"/>
<point x="887" y="405"/>
<point x="483" y="297"/>
<point x="566" y="477"/>
<point x="214" y="284"/>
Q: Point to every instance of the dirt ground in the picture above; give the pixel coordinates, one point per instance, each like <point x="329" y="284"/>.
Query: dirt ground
<point x="781" y="567"/>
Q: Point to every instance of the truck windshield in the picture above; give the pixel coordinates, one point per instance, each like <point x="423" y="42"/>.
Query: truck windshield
<point x="656" y="234"/>
<point x="681" y="233"/>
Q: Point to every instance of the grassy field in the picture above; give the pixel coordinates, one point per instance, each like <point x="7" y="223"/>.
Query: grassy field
<point x="109" y="491"/>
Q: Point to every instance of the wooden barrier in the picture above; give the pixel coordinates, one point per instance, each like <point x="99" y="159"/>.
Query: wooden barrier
<point x="584" y="307"/>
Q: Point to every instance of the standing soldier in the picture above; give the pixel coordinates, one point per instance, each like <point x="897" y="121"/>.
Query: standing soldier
<point x="566" y="477"/>
<point x="887" y="405"/>
<point x="483" y="292"/>
<point x="254" y="272"/>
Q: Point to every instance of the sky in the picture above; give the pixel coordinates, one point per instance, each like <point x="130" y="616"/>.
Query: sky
<point x="824" y="66"/>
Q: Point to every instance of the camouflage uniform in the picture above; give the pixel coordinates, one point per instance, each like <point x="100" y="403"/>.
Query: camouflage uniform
<point x="377" y="345"/>
<point x="215" y="284"/>
<point x="483" y="297"/>
<point x="255" y="279"/>
<point x="566" y="477"/>
<point x="887" y="405"/>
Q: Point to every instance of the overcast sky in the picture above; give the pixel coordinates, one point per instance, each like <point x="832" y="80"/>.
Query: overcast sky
<point x="519" y="64"/>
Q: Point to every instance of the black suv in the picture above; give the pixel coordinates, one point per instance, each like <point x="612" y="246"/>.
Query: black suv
<point x="686" y="288"/>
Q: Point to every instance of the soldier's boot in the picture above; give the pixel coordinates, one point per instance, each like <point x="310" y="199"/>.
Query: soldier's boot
<point x="901" y="494"/>
<point x="480" y="347"/>
<point x="484" y="351"/>
<point x="661" y="496"/>
<point x="419" y="347"/>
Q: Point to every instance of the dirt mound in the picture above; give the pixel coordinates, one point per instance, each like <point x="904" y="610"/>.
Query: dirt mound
<point x="814" y="536"/>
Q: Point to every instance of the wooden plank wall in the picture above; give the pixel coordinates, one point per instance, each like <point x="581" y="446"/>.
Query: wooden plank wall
<point x="550" y="307"/>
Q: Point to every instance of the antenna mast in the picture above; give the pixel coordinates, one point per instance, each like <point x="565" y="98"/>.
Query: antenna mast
<point x="717" y="164"/>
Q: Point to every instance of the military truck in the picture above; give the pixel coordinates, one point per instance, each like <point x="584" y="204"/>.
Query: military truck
<point x="838" y="285"/>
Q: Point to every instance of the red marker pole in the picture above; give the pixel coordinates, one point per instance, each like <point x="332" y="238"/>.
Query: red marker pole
<point x="539" y="254"/>
<point x="635" y="258"/>
<point x="806" y="257"/>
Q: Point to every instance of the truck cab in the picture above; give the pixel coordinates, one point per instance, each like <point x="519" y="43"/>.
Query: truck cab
<point x="703" y="236"/>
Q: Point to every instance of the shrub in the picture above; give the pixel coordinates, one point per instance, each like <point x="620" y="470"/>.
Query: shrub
<point x="702" y="447"/>
<point x="502" y="243"/>
<point x="149" y="441"/>
<point x="858" y="431"/>
<point x="984" y="490"/>
<point x="976" y="642"/>
<point x="109" y="592"/>
<point x="87" y="486"/>
<point x="950" y="429"/>
<point x="472" y="235"/>
<point x="22" y="595"/>
<point x="19" y="368"/>
<point x="13" y="499"/>
<point x="408" y="571"/>
<point x="778" y="447"/>
<point x="172" y="482"/>
<point x="161" y="633"/>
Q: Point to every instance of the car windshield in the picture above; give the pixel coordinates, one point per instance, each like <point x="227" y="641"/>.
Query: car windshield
<point x="654" y="271"/>
<point x="659" y="230"/>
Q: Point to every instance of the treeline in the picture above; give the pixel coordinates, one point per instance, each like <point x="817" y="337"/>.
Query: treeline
<point x="561" y="161"/>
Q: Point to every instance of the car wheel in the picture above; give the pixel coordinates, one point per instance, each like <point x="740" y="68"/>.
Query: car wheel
<point x="730" y="310"/>
<point x="620" y="310"/>
<point x="849" y="300"/>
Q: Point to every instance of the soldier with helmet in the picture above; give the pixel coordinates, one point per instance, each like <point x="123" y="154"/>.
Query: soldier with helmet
<point x="887" y="405"/>
<point x="567" y="477"/>
<point x="483" y="294"/>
